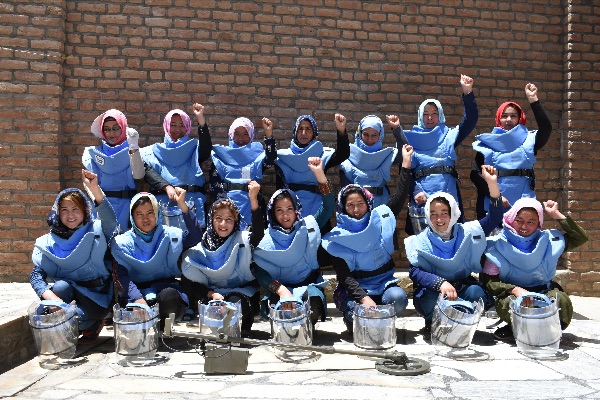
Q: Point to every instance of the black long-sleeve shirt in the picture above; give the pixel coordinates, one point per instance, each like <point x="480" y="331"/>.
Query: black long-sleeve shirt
<point x="395" y="203"/>
<point x="541" y="138"/>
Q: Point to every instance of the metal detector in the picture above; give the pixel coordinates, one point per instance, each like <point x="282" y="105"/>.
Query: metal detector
<point x="231" y="360"/>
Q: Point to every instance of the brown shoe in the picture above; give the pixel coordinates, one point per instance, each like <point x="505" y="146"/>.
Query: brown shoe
<point x="91" y="335"/>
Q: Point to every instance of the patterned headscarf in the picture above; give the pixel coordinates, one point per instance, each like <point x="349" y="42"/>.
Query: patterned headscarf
<point x="313" y="123"/>
<point x="184" y="117"/>
<point x="442" y="118"/>
<point x="524" y="202"/>
<point x="454" y="212"/>
<point x="346" y="221"/>
<point x="54" y="222"/>
<point x="98" y="124"/>
<point x="211" y="239"/>
<point x="522" y="117"/>
<point x="271" y="213"/>
<point x="246" y="123"/>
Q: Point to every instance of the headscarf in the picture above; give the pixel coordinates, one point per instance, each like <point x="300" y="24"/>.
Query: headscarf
<point x="184" y="117"/>
<point x="524" y="202"/>
<point x="98" y="124"/>
<point x="271" y="213"/>
<point x="454" y="213"/>
<point x="54" y="222"/>
<point x="346" y="221"/>
<point x="146" y="236"/>
<point x="295" y="141"/>
<point x="442" y="118"/>
<point x="524" y="243"/>
<point x="370" y="121"/>
<point x="241" y="121"/>
<point x="211" y="239"/>
<point x="522" y="117"/>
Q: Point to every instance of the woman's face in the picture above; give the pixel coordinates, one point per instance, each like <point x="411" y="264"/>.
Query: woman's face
<point x="305" y="132"/>
<point x="509" y="118"/>
<point x="144" y="217"/>
<point x="369" y="136"/>
<point x="70" y="215"/>
<point x="177" y="127"/>
<point x="431" y="116"/>
<point x="223" y="222"/>
<point x="356" y="206"/>
<point x="241" y="136"/>
<point x="526" y="222"/>
<point x="439" y="214"/>
<point x="285" y="213"/>
<point x="112" y="131"/>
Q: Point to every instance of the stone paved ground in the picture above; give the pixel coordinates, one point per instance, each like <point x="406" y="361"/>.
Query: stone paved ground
<point x="497" y="370"/>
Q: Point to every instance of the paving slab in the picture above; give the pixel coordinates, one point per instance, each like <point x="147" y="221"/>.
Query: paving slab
<point x="498" y="371"/>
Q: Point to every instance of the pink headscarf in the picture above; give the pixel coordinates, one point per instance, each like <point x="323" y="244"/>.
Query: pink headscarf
<point x="184" y="117"/>
<point x="524" y="202"/>
<point x="246" y="123"/>
<point x="98" y="123"/>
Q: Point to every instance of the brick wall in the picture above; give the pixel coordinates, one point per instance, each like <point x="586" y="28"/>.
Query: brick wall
<point x="283" y="58"/>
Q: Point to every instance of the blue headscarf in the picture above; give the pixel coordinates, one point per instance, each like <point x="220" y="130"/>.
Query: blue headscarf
<point x="296" y="146"/>
<point x="56" y="225"/>
<point x="370" y="121"/>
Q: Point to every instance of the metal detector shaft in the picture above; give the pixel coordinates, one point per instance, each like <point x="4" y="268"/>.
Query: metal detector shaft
<point x="222" y="338"/>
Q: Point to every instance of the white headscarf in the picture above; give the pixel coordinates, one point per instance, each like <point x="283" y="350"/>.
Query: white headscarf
<point x="454" y="213"/>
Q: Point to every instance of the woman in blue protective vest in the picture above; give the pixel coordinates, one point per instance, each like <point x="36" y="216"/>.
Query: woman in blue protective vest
<point x="369" y="163"/>
<point x="511" y="148"/>
<point x="523" y="258"/>
<point x="444" y="255"/>
<point x="178" y="160"/>
<point x="148" y="254"/>
<point x="362" y="245"/>
<point x="292" y="168"/>
<point x="286" y="257"/>
<point x="72" y="255"/>
<point x="116" y="161"/>
<point x="218" y="268"/>
<point x="435" y="143"/>
<point x="242" y="161"/>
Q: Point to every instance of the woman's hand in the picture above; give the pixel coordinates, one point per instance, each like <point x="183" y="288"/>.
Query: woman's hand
<point x="393" y="121"/>
<point x="316" y="166"/>
<point x="448" y="290"/>
<point x="268" y="127"/>
<point x="467" y="84"/>
<point x="198" y="110"/>
<point x="340" y="123"/>
<point x="180" y="199"/>
<point x="531" y="92"/>
<point x="407" y="152"/>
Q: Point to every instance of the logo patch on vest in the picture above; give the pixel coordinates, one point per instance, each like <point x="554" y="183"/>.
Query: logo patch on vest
<point x="555" y="238"/>
<point x="311" y="230"/>
<point x="385" y="215"/>
<point x="242" y="245"/>
<point x="477" y="237"/>
<point x="175" y="240"/>
<point x="99" y="159"/>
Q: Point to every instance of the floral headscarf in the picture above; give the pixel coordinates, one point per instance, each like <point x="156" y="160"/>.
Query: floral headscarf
<point x="54" y="222"/>
<point x="98" y="124"/>
<point x="346" y="221"/>
<point x="313" y="123"/>
<point x="211" y="239"/>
